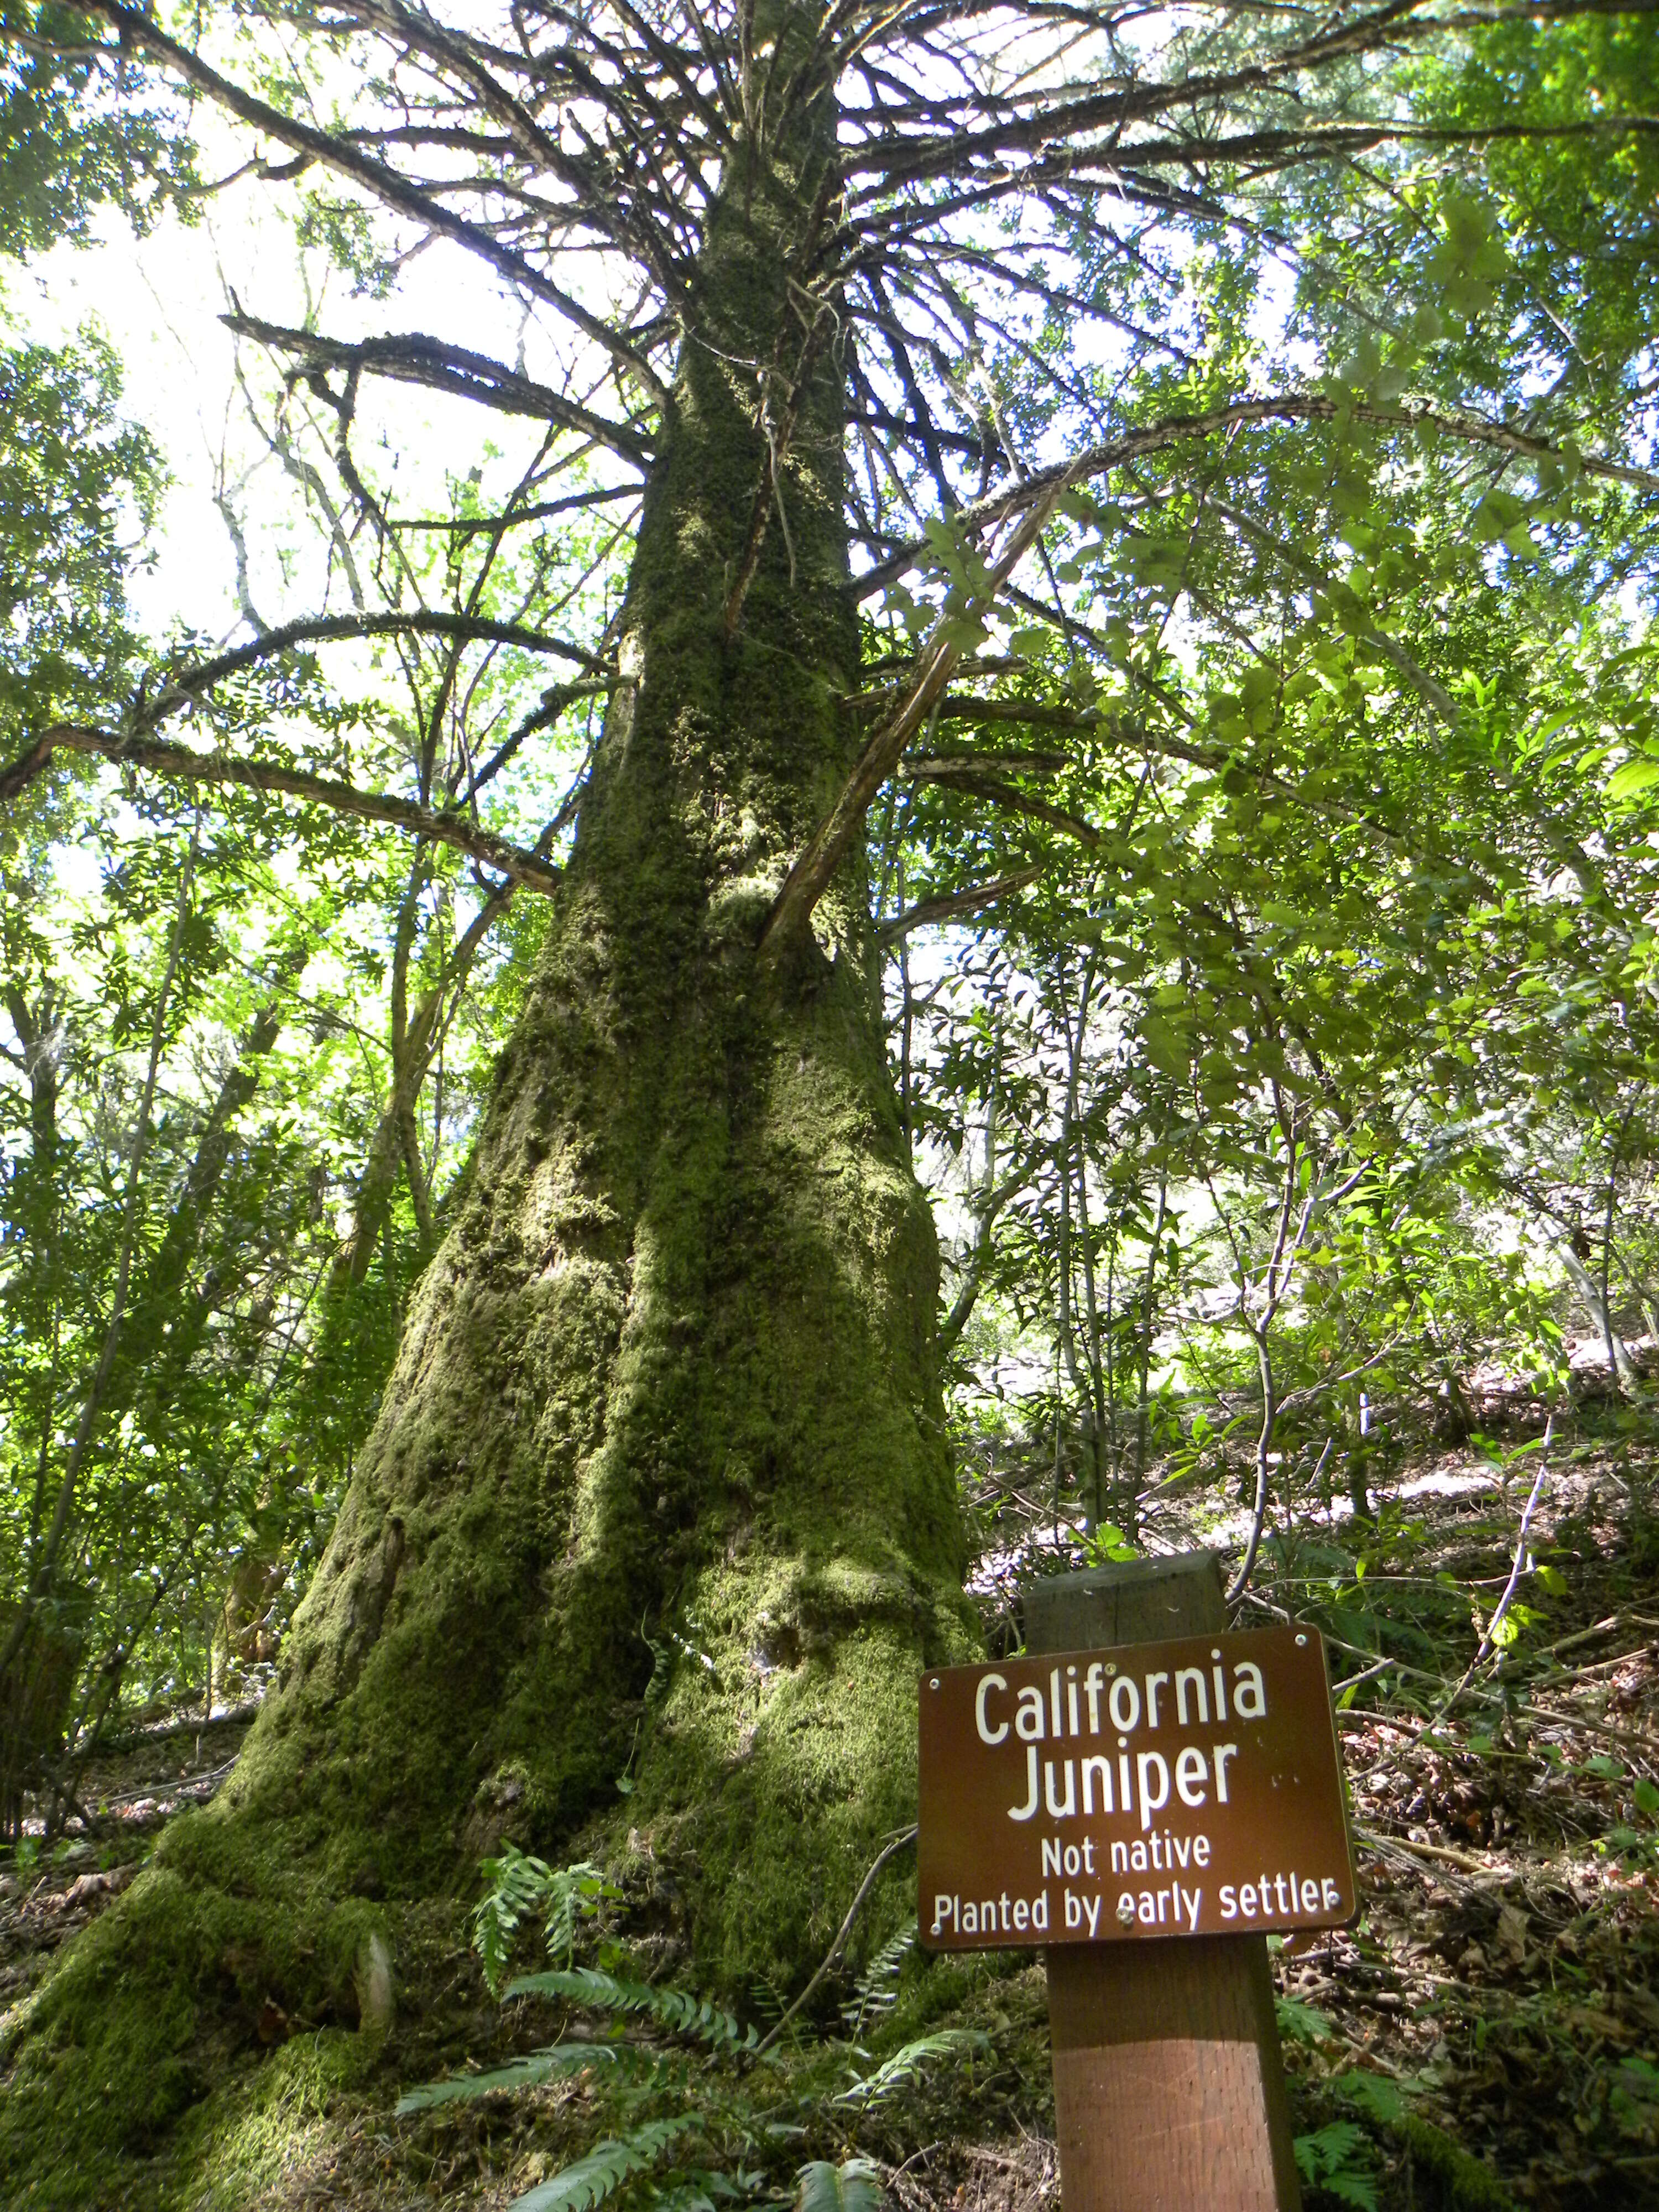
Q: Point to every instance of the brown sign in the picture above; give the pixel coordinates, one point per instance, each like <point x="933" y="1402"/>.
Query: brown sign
<point x="1191" y="1788"/>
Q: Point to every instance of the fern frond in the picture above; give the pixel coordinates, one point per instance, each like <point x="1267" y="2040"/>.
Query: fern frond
<point x="665" y="1654"/>
<point x="683" y="2196"/>
<point x="698" y="2190"/>
<point x="514" y="1885"/>
<point x="876" y="1989"/>
<point x="676" y="2010"/>
<point x="662" y="1672"/>
<point x="903" y="2069"/>
<point x="1336" y="2160"/>
<point x="590" y="2180"/>
<point x="1301" y="2023"/>
<point x="574" y="1894"/>
<point x="527" y="2073"/>
<point x="1373" y="2092"/>
<point x="852" y="2186"/>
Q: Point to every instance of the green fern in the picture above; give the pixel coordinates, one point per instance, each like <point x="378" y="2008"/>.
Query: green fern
<point x="1374" y="2093"/>
<point x="1301" y="2023"/>
<point x="852" y="2186"/>
<point x="574" y="1894"/>
<point x="876" y="1988"/>
<point x="903" y="2069"/>
<point x="514" y="1885"/>
<point x="518" y="1884"/>
<point x="590" y="2180"/>
<point x="662" y="1671"/>
<point x="527" y="2073"/>
<point x="676" y="2010"/>
<point x="666" y="1653"/>
<point x="1336" y="2161"/>
<point x="689" y="2196"/>
<point x="691" y="2192"/>
<point x="700" y="2191"/>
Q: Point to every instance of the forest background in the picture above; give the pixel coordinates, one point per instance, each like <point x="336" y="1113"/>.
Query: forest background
<point x="1260" y="838"/>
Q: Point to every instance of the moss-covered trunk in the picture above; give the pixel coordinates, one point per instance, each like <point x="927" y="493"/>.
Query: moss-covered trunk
<point x="671" y="1379"/>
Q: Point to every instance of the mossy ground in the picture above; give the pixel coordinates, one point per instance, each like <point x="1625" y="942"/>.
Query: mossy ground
<point x="161" y="2006"/>
<point x="1511" y="1993"/>
<point x="287" y="2113"/>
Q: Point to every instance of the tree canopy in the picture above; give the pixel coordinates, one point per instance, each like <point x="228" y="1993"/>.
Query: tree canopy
<point x="1247" y="422"/>
<point x="1195" y="470"/>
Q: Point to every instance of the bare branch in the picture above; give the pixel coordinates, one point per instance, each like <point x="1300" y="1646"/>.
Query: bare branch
<point x="138" y="30"/>
<point x="320" y="630"/>
<point x="972" y="779"/>
<point x="809" y="877"/>
<point x="952" y="906"/>
<point x="470" y="526"/>
<point x="415" y="358"/>
<point x="179" y="764"/>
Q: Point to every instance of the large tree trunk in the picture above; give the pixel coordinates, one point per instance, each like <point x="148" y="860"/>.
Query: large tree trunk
<point x="674" y="1368"/>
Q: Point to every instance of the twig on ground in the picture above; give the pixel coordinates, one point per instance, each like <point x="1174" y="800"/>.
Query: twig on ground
<point x="1582" y="1635"/>
<point x="898" y="1844"/>
<point x="1503" y="1605"/>
<point x="1368" y="1838"/>
<point x="1490" y="1636"/>
<point x="1647" y="1744"/>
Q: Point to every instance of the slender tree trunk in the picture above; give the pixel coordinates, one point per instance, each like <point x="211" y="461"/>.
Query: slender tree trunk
<point x="1620" y="1365"/>
<point x="1135" y="1482"/>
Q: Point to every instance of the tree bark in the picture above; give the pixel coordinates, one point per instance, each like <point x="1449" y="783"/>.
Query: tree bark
<point x="675" y="1364"/>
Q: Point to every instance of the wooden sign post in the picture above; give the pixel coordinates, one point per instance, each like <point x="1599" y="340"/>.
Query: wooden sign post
<point x="1168" y="2086"/>
<point x="1146" y="1814"/>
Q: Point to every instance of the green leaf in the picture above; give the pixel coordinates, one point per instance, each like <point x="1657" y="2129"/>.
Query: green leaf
<point x="1630" y="781"/>
<point x="1336" y="2158"/>
<point x="515" y="1885"/>
<point x="1164" y="1048"/>
<point x="678" y="2009"/>
<point x="1373" y="2092"/>
<point x="527" y="2073"/>
<point x="852" y="2186"/>
<point x="586" y="2183"/>
<point x="877" y="1988"/>
<point x="904" y="2067"/>
<point x="1301" y="2023"/>
<point x="574" y="1893"/>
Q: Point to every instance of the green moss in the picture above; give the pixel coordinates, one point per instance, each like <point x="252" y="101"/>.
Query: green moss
<point x="1465" y="2183"/>
<point x="266" y="2129"/>
<point x="165" y="2002"/>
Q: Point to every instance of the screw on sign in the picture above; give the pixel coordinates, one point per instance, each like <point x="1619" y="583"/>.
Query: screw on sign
<point x="1145" y="1794"/>
<point x="1184" y="1787"/>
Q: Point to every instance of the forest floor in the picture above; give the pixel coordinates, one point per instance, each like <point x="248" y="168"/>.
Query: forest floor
<point x="1499" y="1993"/>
